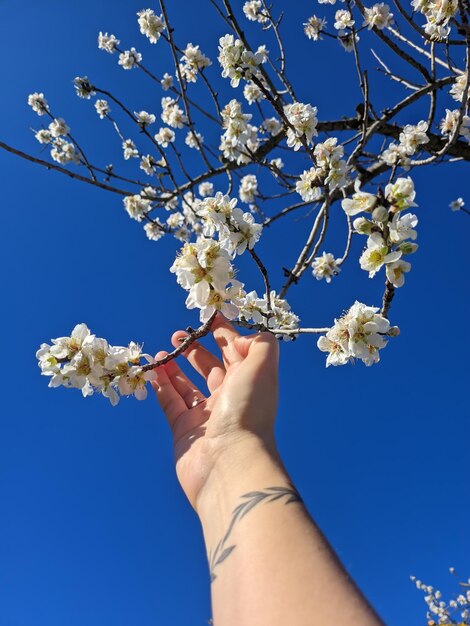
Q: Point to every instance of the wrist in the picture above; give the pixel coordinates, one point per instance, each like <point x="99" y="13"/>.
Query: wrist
<point x="248" y="463"/>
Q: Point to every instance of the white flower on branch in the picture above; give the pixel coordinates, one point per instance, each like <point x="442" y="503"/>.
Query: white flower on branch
<point x="147" y="164"/>
<point x="252" y="93"/>
<point x="175" y="220"/>
<point x="108" y="43"/>
<point x="451" y="120"/>
<point x="38" y="103"/>
<point x="204" y="269"/>
<point x="308" y="186"/>
<point x="361" y="201"/>
<point x="205" y="189"/>
<point x="144" y="119"/>
<point x="136" y="206"/>
<point x="456" y="205"/>
<point x="151" y="25"/>
<point x="43" y="136"/>
<point x="314" y="26"/>
<point x="347" y="41"/>
<point x="64" y="152"/>
<point x="395" y="272"/>
<point x="167" y="81"/>
<point x="325" y="266"/>
<point x="395" y="154"/>
<point x="359" y="334"/>
<point x="275" y="316"/>
<point x="272" y="126"/>
<point x="457" y="89"/>
<point x="248" y="189"/>
<point x="192" y="61"/>
<point x="102" y="108"/>
<point x="253" y="10"/>
<point x="129" y="59"/>
<point x="129" y="149"/>
<point x="377" y="254"/>
<point x="241" y="232"/>
<point x="58" y="128"/>
<point x="194" y="139"/>
<point x="165" y="136"/>
<point x="343" y="20"/>
<point x="303" y="119"/>
<point x="378" y="15"/>
<point x="237" y="62"/>
<point x="438" y="13"/>
<point x="89" y="363"/>
<point x="402" y="227"/>
<point x="154" y="230"/>
<point x="240" y="138"/>
<point x="401" y="194"/>
<point x="172" y="114"/>
<point x="414" y="136"/>
<point x="83" y="87"/>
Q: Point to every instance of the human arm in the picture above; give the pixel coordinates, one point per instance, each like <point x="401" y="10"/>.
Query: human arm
<point x="270" y="564"/>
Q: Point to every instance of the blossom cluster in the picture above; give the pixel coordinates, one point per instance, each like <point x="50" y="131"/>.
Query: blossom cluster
<point x="411" y="139"/>
<point x="275" y="314"/>
<point x="240" y="137"/>
<point x="359" y="334"/>
<point x="89" y="363"/>
<point x="438" y="16"/>
<point x="455" y="611"/>
<point x="331" y="169"/>
<point x="237" y="62"/>
<point x="192" y="62"/>
<point x="302" y="119"/>
<point x="390" y="234"/>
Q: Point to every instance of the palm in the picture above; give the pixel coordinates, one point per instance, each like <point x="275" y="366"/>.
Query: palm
<point x="198" y="422"/>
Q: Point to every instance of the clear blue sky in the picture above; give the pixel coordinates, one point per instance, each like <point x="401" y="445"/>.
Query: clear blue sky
<point x="94" y="528"/>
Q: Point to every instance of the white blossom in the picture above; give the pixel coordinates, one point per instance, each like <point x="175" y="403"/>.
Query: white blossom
<point x="360" y="201"/>
<point x="129" y="149"/>
<point x="236" y="61"/>
<point x="167" y="81"/>
<point x="402" y="227"/>
<point x="43" y="136"/>
<point x="165" y="136"/>
<point x="248" y="189"/>
<point x="194" y="139"/>
<point x="108" y="43"/>
<point x="378" y="16"/>
<point x="136" y="206"/>
<point x="308" y="186"/>
<point x="358" y="334"/>
<point x="154" y="230"/>
<point x="38" y="103"/>
<point x="144" y="119"/>
<point x="325" y="266"/>
<point x="377" y="254"/>
<point x="151" y="25"/>
<point x="314" y="26"/>
<point x="401" y="194"/>
<point x="83" y="87"/>
<point x="172" y="114"/>
<point x="456" y="205"/>
<point x="58" y="128"/>
<point x="343" y="20"/>
<point x="395" y="272"/>
<point x="102" y="108"/>
<point x="253" y="10"/>
<point x="129" y="59"/>
<point x="64" y="152"/>
<point x="303" y="119"/>
<point x="206" y="189"/>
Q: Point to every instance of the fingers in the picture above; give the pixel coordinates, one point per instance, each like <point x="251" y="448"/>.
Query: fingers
<point x="170" y="400"/>
<point x="225" y="335"/>
<point x="187" y="390"/>
<point x="203" y="361"/>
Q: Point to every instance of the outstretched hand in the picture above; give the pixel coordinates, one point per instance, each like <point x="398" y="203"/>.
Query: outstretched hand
<point x="241" y="400"/>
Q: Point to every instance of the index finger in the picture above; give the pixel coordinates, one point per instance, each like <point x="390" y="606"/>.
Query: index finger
<point x="225" y="335"/>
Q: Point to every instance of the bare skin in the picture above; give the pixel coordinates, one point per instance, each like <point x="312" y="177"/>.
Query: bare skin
<point x="270" y="564"/>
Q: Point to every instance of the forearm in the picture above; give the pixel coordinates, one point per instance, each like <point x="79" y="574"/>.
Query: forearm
<point x="270" y="565"/>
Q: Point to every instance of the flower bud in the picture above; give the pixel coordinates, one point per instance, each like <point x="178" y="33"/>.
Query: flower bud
<point x="393" y="331"/>
<point x="380" y="214"/>
<point x="362" y="226"/>
<point x="407" y="247"/>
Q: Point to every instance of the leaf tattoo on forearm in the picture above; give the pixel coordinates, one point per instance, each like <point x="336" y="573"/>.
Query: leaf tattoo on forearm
<point x="250" y="500"/>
